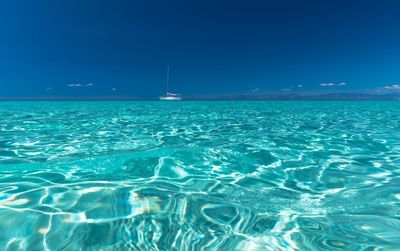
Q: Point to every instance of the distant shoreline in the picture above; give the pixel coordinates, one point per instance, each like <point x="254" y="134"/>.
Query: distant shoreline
<point x="294" y="97"/>
<point x="192" y="100"/>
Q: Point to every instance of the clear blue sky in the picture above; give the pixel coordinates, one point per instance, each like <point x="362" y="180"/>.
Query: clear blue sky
<point x="87" y="48"/>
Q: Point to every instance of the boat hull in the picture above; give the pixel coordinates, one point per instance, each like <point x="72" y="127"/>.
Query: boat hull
<point x="170" y="98"/>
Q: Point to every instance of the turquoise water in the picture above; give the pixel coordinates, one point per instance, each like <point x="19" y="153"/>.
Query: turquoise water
<point x="303" y="175"/>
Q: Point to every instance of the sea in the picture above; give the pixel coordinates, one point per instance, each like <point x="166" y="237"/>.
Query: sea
<point x="200" y="175"/>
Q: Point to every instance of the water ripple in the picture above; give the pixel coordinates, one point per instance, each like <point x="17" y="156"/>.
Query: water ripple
<point x="199" y="175"/>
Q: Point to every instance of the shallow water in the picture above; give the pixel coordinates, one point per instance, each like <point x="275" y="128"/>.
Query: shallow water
<point x="303" y="175"/>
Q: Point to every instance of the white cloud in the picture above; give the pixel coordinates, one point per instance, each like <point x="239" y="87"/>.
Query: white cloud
<point x="392" y="87"/>
<point x="81" y="85"/>
<point x="333" y="84"/>
<point x="327" y="84"/>
<point x="75" y="85"/>
<point x="114" y="89"/>
<point x="300" y="86"/>
<point x="48" y="89"/>
<point x="255" y="90"/>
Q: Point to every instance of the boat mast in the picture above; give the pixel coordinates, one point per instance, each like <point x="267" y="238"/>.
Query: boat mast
<point x="167" y="77"/>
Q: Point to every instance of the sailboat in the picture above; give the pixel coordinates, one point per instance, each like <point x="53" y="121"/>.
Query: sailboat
<point x="170" y="96"/>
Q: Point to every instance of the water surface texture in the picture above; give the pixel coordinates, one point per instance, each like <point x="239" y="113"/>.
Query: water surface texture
<point x="256" y="175"/>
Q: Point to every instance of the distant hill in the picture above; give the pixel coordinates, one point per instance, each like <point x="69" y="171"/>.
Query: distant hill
<point x="333" y="96"/>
